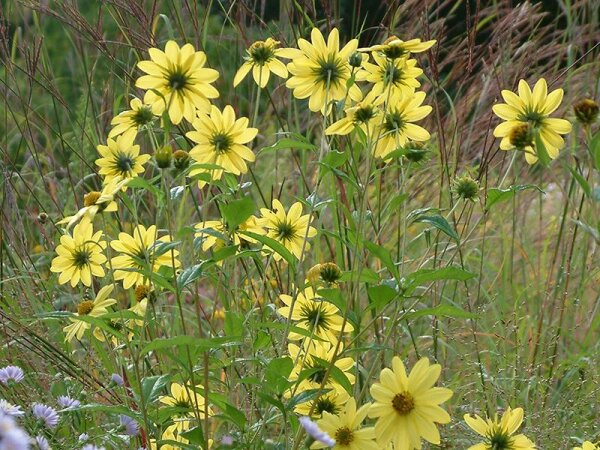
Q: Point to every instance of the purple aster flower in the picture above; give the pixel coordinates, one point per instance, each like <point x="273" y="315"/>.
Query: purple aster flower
<point x="131" y="426"/>
<point x="11" y="436"/>
<point x="42" y="443"/>
<point x="67" y="402"/>
<point x="313" y="430"/>
<point x="227" y="440"/>
<point x="117" y="379"/>
<point x="11" y="373"/>
<point x="9" y="409"/>
<point x="45" y="413"/>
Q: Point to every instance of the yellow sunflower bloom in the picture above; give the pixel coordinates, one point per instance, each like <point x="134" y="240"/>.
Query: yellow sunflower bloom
<point x="527" y="115"/>
<point x="320" y="71"/>
<point x="177" y="81"/>
<point x="398" y="127"/>
<point x="365" y="115"/>
<point x="316" y="356"/>
<point x="80" y="256"/>
<point x="407" y="407"/>
<point x="133" y="119"/>
<point x="391" y="76"/>
<point x="315" y="315"/>
<point x="499" y="434"/>
<point x="220" y="140"/>
<point x="137" y="253"/>
<point x="291" y="229"/>
<point x="331" y="400"/>
<point x="185" y="397"/>
<point x="261" y="58"/>
<point x="393" y="47"/>
<point x="95" y="202"/>
<point x="345" y="429"/>
<point x="120" y="158"/>
<point x="96" y="308"/>
<point x="587" y="445"/>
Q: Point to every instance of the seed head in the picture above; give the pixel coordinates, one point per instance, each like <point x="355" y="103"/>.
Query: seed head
<point x="586" y="111"/>
<point x="466" y="188"/>
<point x="181" y="159"/>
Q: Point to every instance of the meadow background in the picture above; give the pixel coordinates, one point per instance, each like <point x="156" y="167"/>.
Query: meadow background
<point x="523" y="330"/>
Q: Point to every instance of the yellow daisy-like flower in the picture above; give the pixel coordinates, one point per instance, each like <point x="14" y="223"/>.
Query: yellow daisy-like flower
<point x="499" y="434"/>
<point x="133" y="119"/>
<point x="291" y="229"/>
<point x="138" y="253"/>
<point x="527" y="115"/>
<point x="80" y="256"/>
<point x="587" y="445"/>
<point x="211" y="239"/>
<point x="391" y="76"/>
<point x="170" y="434"/>
<point x="320" y="71"/>
<point x="120" y="158"/>
<point x="96" y="308"/>
<point x="221" y="140"/>
<point x="394" y="47"/>
<point x="316" y="356"/>
<point x="315" y="315"/>
<point x="331" y="400"/>
<point x="365" y="115"/>
<point x="187" y="398"/>
<point x="177" y="81"/>
<point x="398" y="127"/>
<point x="407" y="407"/>
<point x="345" y="429"/>
<point x="95" y="202"/>
<point x="261" y="58"/>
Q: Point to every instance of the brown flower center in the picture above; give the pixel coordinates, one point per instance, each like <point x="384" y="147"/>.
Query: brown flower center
<point x="344" y="436"/>
<point x="85" y="307"/>
<point x="91" y="198"/>
<point x="403" y="403"/>
<point x="141" y="292"/>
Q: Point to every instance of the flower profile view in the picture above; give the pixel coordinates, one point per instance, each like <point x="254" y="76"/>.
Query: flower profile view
<point x="407" y="407"/>
<point x="221" y="140"/>
<point x="133" y="119"/>
<point x="394" y="47"/>
<point x="261" y="59"/>
<point x="92" y="308"/>
<point x="177" y="81"/>
<point x="80" y="255"/>
<point x="290" y="229"/>
<point x="320" y="71"/>
<point x="137" y="253"/>
<point x="499" y="434"/>
<point x="345" y="428"/>
<point x="318" y="317"/>
<point x="527" y="116"/>
<point x="120" y="158"/>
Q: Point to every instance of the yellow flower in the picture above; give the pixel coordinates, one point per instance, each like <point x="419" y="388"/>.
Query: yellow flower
<point x="215" y="227"/>
<point x="177" y="81"/>
<point x="394" y="47"/>
<point x="132" y="119"/>
<point x="120" y="158"/>
<point x="138" y="253"/>
<point x="185" y="397"/>
<point x="80" y="256"/>
<point x="140" y="309"/>
<point x="530" y="110"/>
<point x="407" y="407"/>
<point x="261" y="58"/>
<point x="587" y="445"/>
<point x="291" y="229"/>
<point x="316" y="356"/>
<point x="391" y="76"/>
<point x="320" y="71"/>
<point x="220" y="140"/>
<point x="95" y="308"/>
<point x="498" y="434"/>
<point x="398" y="127"/>
<point x="331" y="401"/>
<point x="170" y="434"/>
<point x="345" y="429"/>
<point x="315" y="315"/>
<point x="365" y="115"/>
<point x="95" y="202"/>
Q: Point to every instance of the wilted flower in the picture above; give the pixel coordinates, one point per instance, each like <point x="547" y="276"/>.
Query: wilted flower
<point x="11" y="373"/>
<point x="46" y="414"/>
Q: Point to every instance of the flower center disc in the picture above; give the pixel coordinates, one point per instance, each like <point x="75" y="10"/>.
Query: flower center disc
<point x="85" y="307"/>
<point x="344" y="436"/>
<point x="403" y="403"/>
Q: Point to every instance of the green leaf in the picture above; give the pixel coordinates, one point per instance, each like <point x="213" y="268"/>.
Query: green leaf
<point x="237" y="212"/>
<point x="496" y="195"/>
<point x="298" y="142"/>
<point x="441" y="224"/>
<point x="194" y="435"/>
<point x="380" y="296"/>
<point x="444" y="310"/>
<point x="541" y="151"/>
<point x="141" y="183"/>
<point x="153" y="386"/>
<point x="582" y="181"/>
<point x="275" y="246"/>
<point x="382" y="254"/>
<point x="189" y="275"/>
<point x="161" y="247"/>
<point x="197" y="343"/>
<point x="277" y="372"/>
<point x="333" y="296"/>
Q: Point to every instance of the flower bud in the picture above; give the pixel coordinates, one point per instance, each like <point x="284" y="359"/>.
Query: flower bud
<point x="586" y="111"/>
<point x="163" y="157"/>
<point x="466" y="188"/>
<point x="356" y="59"/>
<point x="181" y="159"/>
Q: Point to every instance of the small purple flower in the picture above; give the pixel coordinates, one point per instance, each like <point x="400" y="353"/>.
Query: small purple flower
<point x="11" y="373"/>
<point x="92" y="447"/>
<point x="11" y="436"/>
<point x="42" y="443"/>
<point x="227" y="440"/>
<point x="131" y="426"/>
<point x="67" y="402"/>
<point x="45" y="413"/>
<point x="83" y="437"/>
<point x="9" y="409"/>
<point x="313" y="430"/>
<point x="117" y="379"/>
